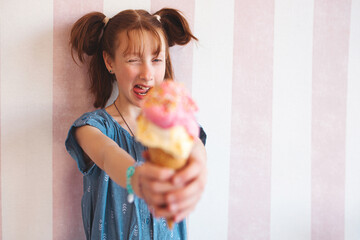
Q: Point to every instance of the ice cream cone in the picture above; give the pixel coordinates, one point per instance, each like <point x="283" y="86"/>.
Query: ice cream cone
<point x="164" y="159"/>
<point x="167" y="126"/>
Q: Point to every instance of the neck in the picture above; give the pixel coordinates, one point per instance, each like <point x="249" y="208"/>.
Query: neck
<point x="129" y="111"/>
<point x="127" y="115"/>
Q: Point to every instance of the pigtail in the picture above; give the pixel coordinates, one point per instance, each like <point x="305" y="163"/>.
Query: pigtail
<point x="175" y="26"/>
<point x="85" y="34"/>
<point x="101" y="80"/>
<point x="86" y="39"/>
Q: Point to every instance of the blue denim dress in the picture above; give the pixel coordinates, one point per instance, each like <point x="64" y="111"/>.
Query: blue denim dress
<point x="105" y="211"/>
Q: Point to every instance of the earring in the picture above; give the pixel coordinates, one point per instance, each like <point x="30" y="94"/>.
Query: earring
<point x="110" y="71"/>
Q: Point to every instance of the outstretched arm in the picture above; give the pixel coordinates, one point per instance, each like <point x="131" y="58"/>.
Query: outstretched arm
<point x="108" y="156"/>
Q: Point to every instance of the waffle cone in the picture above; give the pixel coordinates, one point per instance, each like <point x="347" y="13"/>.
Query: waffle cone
<point x="164" y="159"/>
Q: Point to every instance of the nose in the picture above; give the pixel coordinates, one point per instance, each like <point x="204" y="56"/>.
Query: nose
<point x="147" y="72"/>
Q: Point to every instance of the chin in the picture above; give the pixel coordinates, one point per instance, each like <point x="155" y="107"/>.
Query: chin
<point x="137" y="103"/>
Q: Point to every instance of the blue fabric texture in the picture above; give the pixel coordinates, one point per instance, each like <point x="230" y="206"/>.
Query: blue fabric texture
<point x="105" y="211"/>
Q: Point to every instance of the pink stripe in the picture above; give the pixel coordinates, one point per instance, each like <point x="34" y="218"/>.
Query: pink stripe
<point x="70" y="100"/>
<point x="181" y="56"/>
<point x="330" y="58"/>
<point x="0" y="156"/>
<point x="249" y="200"/>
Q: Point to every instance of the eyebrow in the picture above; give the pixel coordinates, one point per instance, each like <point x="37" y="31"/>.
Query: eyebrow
<point x="138" y="54"/>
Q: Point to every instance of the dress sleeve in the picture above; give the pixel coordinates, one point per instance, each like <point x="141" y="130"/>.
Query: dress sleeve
<point x="202" y="135"/>
<point x="85" y="165"/>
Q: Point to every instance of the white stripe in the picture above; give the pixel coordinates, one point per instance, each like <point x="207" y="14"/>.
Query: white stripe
<point x="352" y="186"/>
<point x="291" y="138"/>
<point x="112" y="7"/>
<point x="212" y="71"/>
<point x="26" y="111"/>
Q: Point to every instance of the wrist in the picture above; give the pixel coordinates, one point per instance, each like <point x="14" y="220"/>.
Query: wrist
<point x="136" y="183"/>
<point x="129" y="175"/>
<point x="133" y="185"/>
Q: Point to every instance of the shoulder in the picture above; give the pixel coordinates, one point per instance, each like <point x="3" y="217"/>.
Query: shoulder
<point x="98" y="118"/>
<point x="96" y="115"/>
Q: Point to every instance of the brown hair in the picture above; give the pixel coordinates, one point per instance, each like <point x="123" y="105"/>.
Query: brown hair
<point x="89" y="36"/>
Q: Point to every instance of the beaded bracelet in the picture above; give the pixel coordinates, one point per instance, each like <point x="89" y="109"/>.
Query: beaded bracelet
<point x="129" y="173"/>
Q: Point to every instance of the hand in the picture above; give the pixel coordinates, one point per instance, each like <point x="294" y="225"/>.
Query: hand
<point x="151" y="183"/>
<point x="189" y="185"/>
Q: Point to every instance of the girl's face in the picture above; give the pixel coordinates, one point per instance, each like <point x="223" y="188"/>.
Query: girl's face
<point x="136" y="65"/>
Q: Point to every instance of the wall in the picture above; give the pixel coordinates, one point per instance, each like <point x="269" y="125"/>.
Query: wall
<point x="278" y="86"/>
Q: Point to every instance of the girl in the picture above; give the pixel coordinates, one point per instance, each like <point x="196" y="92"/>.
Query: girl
<point x="131" y="48"/>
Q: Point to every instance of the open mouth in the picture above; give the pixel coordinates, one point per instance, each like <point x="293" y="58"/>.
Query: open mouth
<point x="141" y="89"/>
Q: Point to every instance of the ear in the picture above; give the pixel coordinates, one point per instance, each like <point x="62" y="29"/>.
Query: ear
<point x="108" y="61"/>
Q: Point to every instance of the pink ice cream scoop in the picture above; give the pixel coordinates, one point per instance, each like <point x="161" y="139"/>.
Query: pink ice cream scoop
<point x="168" y="105"/>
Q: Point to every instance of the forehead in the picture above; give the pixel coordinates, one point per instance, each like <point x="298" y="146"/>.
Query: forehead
<point x="139" y="40"/>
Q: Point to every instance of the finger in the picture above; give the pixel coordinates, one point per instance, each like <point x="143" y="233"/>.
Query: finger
<point x="157" y="186"/>
<point x="162" y="211"/>
<point x="183" y="193"/>
<point x="154" y="195"/>
<point x="197" y="184"/>
<point x="154" y="200"/>
<point x="143" y="179"/>
<point x="182" y="215"/>
<point x="152" y="171"/>
<point x="183" y="206"/>
<point x="153" y="192"/>
<point x="183" y="209"/>
<point x="186" y="174"/>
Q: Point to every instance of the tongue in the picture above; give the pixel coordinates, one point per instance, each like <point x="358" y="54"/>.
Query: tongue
<point x="139" y="90"/>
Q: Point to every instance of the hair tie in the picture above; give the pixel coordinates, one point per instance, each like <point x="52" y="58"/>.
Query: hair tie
<point x="158" y="17"/>
<point x="105" y="21"/>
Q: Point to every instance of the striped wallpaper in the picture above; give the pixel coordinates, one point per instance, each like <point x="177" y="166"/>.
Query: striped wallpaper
<point x="278" y="86"/>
